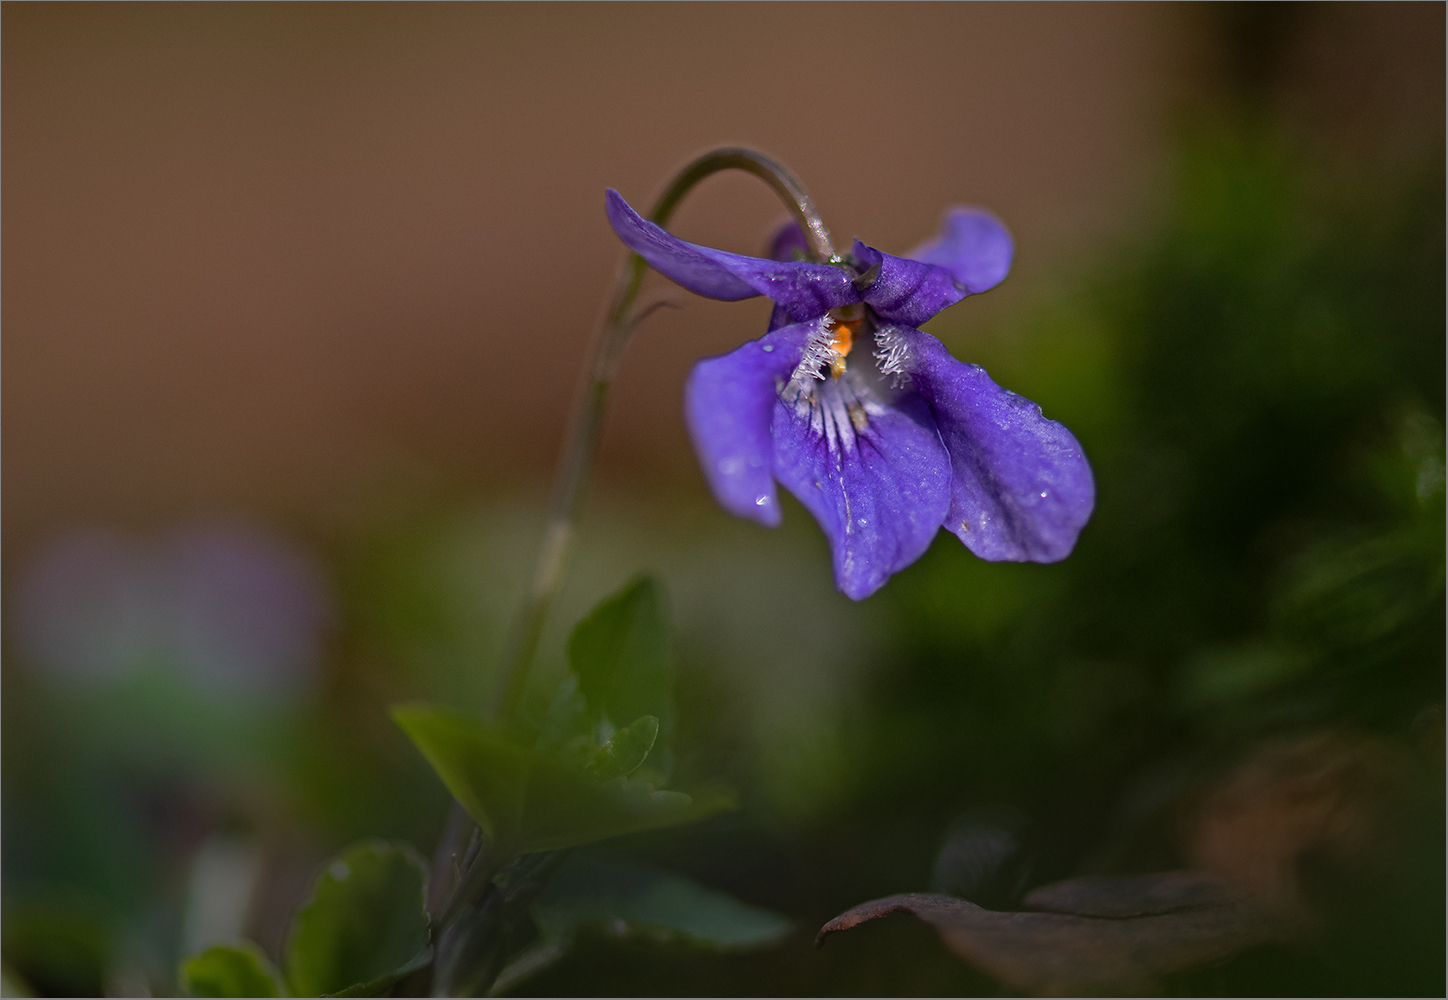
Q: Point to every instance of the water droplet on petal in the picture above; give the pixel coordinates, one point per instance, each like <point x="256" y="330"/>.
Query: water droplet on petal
<point x="761" y="500"/>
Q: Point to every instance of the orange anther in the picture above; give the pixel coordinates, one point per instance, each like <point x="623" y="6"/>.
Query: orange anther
<point x="844" y="339"/>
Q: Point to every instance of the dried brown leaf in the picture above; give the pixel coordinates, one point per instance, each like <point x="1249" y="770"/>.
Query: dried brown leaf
<point x="1122" y="935"/>
<point x="1122" y="896"/>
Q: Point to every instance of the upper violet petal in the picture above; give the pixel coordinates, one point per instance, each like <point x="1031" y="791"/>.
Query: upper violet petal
<point x="778" y="317"/>
<point x="728" y="405"/>
<point x="880" y="500"/>
<point x="789" y="242"/>
<point x="902" y="290"/>
<point x="805" y="290"/>
<point x="1022" y="489"/>
<point x="973" y="245"/>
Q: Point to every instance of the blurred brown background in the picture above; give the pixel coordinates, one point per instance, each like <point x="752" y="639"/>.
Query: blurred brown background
<point x="258" y="256"/>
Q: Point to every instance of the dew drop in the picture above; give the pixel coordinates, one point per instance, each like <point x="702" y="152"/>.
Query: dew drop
<point x="761" y="500"/>
<point x="340" y="871"/>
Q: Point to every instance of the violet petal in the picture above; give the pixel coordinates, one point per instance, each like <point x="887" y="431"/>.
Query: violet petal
<point x="1022" y="489"/>
<point x="973" y="245"/>
<point x="788" y="242"/>
<point x="902" y="290"/>
<point x="805" y="290"/>
<point x="728" y="404"/>
<point x="881" y="502"/>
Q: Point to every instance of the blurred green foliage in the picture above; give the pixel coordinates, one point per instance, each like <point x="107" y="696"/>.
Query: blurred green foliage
<point x="620" y="654"/>
<point x="364" y="923"/>
<point x="230" y="971"/>
<point x="579" y="775"/>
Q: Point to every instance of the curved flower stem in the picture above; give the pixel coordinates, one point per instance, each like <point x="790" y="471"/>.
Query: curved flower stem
<point x="462" y="876"/>
<point x="784" y="183"/>
<point x="586" y="422"/>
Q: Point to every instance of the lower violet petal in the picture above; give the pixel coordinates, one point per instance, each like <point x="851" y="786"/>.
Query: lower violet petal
<point x="728" y="404"/>
<point x="1022" y="489"/>
<point x="880" y="497"/>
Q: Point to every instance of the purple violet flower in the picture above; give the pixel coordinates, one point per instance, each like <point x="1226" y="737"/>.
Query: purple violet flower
<point x="882" y="446"/>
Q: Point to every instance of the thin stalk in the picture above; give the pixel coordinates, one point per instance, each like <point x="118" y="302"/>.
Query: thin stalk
<point x="591" y="401"/>
<point x="575" y="466"/>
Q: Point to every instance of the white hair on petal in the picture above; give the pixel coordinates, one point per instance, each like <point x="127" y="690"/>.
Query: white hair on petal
<point x="892" y="352"/>
<point x="836" y="410"/>
<point x="817" y="354"/>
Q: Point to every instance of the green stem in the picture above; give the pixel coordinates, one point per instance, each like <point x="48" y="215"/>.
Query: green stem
<point x="461" y="926"/>
<point x="591" y="401"/>
<point x="475" y="941"/>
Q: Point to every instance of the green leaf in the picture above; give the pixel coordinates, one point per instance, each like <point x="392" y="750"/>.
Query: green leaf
<point x="365" y="925"/>
<point x="11" y="984"/>
<point x="62" y="938"/>
<point x="230" y="971"/>
<point x="624" y="897"/>
<point x="567" y="809"/>
<point x="484" y="768"/>
<point x="568" y="723"/>
<point x="620" y="653"/>
<point x="529" y="800"/>
<point x="623" y="754"/>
